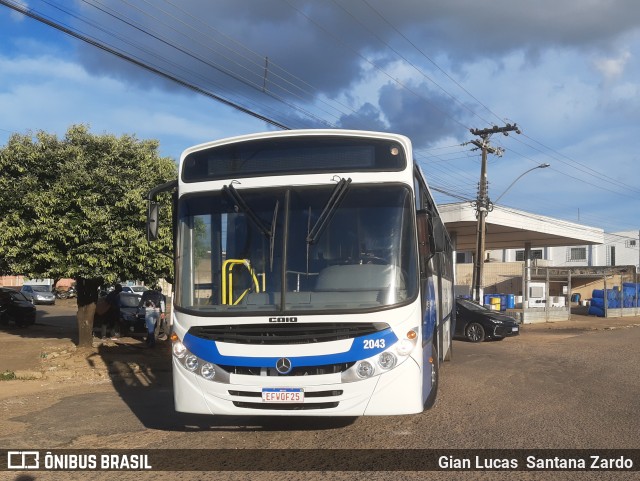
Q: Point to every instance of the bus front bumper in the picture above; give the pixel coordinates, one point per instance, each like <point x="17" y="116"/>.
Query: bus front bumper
<point x="398" y="391"/>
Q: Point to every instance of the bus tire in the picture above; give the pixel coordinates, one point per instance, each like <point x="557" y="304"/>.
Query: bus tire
<point x="435" y="374"/>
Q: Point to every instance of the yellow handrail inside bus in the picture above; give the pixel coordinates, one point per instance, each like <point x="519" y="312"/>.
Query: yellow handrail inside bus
<point x="227" y="280"/>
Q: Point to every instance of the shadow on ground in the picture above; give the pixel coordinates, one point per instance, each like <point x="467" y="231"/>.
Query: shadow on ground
<point x="142" y="377"/>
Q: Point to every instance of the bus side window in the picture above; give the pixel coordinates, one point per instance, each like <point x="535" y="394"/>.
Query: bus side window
<point x="425" y="240"/>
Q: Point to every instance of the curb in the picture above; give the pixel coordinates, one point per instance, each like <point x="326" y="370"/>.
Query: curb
<point x="27" y="375"/>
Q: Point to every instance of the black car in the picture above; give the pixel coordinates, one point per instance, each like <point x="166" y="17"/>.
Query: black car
<point x="476" y="323"/>
<point x="131" y="314"/>
<point x="16" y="308"/>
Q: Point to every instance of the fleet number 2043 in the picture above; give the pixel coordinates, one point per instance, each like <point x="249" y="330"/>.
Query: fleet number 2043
<point x="374" y="344"/>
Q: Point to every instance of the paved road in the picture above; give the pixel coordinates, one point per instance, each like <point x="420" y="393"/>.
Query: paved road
<point x="548" y="388"/>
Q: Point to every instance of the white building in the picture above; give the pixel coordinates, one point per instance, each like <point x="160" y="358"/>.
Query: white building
<point x="618" y="249"/>
<point x="512" y="239"/>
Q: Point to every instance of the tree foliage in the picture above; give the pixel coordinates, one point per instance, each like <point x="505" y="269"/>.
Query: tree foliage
<point x="76" y="207"/>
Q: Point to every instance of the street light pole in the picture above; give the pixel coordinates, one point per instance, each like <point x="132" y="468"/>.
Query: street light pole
<point x="541" y="166"/>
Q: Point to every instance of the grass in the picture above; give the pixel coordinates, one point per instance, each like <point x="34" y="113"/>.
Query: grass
<point x="7" y="376"/>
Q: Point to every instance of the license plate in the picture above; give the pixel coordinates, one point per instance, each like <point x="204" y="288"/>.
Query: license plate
<point x="515" y="329"/>
<point x="282" y="395"/>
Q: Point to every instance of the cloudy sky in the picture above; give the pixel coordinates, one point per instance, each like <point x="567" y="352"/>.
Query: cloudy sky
<point x="568" y="73"/>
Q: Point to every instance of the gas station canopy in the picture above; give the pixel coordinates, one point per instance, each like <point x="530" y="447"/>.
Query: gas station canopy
<point x="508" y="228"/>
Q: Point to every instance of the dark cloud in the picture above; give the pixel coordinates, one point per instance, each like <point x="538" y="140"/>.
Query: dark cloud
<point x="366" y="117"/>
<point x="465" y="29"/>
<point x="424" y="119"/>
<point x="280" y="57"/>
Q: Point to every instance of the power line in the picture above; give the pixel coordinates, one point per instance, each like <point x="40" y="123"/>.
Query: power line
<point x="375" y="66"/>
<point x="29" y="13"/>
<point x="216" y="67"/>
<point x="289" y="87"/>
<point x="421" y="52"/>
<point x="306" y="87"/>
<point x="405" y="59"/>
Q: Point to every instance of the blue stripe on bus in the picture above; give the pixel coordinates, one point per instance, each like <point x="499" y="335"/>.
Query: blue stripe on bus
<point x="430" y="313"/>
<point x="361" y="348"/>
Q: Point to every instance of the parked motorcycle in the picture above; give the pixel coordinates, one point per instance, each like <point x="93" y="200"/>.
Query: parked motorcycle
<point x="66" y="293"/>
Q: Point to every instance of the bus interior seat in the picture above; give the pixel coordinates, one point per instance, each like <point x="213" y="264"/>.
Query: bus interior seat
<point x="364" y="277"/>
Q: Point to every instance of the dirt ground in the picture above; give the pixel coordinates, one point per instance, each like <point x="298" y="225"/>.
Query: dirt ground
<point x="45" y="355"/>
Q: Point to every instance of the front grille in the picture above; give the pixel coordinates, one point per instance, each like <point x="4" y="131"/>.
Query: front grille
<point x="285" y="407"/>
<point x="284" y="334"/>
<point x="500" y="331"/>
<point x="296" y="371"/>
<point x="316" y="394"/>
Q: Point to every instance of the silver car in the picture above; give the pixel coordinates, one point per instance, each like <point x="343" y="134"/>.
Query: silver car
<point x="137" y="290"/>
<point x="39" y="294"/>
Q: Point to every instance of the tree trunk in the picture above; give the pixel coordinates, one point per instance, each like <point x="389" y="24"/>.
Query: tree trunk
<point x="85" y="324"/>
<point x="87" y="297"/>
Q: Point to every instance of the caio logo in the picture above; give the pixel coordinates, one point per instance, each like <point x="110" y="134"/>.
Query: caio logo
<point x="283" y="319"/>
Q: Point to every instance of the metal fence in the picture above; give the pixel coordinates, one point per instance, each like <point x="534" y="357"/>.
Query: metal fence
<point x="544" y="293"/>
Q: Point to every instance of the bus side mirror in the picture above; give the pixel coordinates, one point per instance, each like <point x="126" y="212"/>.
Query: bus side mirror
<point x="432" y="238"/>
<point x="439" y="235"/>
<point x="153" y="214"/>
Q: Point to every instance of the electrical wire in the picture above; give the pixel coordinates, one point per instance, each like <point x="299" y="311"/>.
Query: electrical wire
<point x="289" y="83"/>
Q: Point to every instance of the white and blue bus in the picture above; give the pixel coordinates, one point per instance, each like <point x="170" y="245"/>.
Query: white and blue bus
<point x="313" y="276"/>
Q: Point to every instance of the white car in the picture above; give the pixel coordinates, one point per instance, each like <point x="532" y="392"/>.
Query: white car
<point x="137" y="290"/>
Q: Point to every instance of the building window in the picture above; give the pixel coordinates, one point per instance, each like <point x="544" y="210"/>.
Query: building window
<point x="631" y="243"/>
<point x="611" y="256"/>
<point x="461" y="257"/>
<point x="577" y="254"/>
<point x="535" y="254"/>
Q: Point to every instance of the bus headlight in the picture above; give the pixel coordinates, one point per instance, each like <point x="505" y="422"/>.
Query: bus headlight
<point x="365" y="370"/>
<point x="387" y="360"/>
<point x="207" y="371"/>
<point x="179" y="350"/>
<point x="191" y="362"/>
<point x="201" y="367"/>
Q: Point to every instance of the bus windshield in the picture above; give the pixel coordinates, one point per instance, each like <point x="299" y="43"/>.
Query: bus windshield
<point x="253" y="250"/>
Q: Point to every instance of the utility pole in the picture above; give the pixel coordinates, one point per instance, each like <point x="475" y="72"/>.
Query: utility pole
<point x="483" y="205"/>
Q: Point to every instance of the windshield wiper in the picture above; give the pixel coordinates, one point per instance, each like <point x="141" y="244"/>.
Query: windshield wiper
<point x="241" y="205"/>
<point x="336" y="198"/>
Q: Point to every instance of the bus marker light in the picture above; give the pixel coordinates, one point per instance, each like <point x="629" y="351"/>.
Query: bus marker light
<point x="404" y="347"/>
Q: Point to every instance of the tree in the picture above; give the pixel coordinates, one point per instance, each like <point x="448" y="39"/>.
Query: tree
<point x="76" y="207"/>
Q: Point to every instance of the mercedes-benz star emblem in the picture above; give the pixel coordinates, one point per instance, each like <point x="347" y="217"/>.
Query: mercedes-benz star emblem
<point x="283" y="365"/>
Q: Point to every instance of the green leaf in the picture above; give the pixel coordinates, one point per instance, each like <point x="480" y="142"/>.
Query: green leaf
<point x="75" y="207"/>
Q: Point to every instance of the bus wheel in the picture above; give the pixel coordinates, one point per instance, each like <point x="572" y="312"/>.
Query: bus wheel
<point x="434" y="363"/>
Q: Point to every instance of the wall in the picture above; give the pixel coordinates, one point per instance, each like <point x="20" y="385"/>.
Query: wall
<point x="499" y="277"/>
<point x="11" y="281"/>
